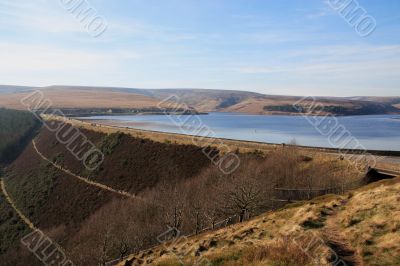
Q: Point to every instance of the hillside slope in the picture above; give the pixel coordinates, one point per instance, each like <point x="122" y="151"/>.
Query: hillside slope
<point x="202" y="100"/>
<point x="359" y="228"/>
<point x="82" y="98"/>
<point x="61" y="205"/>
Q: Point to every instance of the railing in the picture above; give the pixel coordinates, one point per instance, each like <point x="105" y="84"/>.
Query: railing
<point x="387" y="171"/>
<point x="283" y="194"/>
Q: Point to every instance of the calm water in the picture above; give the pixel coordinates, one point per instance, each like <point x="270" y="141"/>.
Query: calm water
<point x="379" y="132"/>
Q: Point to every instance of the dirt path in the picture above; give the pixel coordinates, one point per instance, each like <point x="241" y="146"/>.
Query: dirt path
<point x="83" y="179"/>
<point x="24" y="218"/>
<point x="11" y="202"/>
<point x="344" y="253"/>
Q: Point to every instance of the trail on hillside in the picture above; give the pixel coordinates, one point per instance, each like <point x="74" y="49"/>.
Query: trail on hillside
<point x="343" y="252"/>
<point x="23" y="217"/>
<point x="83" y="179"/>
<point x="11" y="202"/>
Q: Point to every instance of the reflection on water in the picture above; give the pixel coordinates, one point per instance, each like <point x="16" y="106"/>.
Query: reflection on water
<point x="380" y="132"/>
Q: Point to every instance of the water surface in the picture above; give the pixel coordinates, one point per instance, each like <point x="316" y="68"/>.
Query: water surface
<point x="375" y="132"/>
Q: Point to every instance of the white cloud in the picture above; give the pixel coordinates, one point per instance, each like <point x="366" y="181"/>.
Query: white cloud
<point x="17" y="58"/>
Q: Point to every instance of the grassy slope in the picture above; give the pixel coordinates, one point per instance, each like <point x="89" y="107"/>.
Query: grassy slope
<point x="362" y="226"/>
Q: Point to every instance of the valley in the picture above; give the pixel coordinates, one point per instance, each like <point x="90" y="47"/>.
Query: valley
<point x="199" y="133"/>
<point x="147" y="183"/>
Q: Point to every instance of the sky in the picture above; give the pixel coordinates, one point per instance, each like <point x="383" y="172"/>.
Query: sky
<point x="285" y="47"/>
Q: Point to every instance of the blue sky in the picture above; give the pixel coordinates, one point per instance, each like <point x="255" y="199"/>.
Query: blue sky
<point x="268" y="46"/>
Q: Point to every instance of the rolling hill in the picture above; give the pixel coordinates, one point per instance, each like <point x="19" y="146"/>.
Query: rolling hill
<point x="101" y="99"/>
<point x="77" y="97"/>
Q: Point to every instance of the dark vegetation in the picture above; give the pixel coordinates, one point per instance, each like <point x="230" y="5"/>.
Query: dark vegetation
<point x="178" y="185"/>
<point x="365" y="108"/>
<point x="283" y="108"/>
<point x="232" y="100"/>
<point x="130" y="164"/>
<point x="55" y="202"/>
<point x="16" y="129"/>
<point x="11" y="226"/>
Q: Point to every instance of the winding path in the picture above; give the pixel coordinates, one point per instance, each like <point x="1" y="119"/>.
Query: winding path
<point x="24" y="218"/>
<point x="83" y="179"/>
<point x="11" y="202"/>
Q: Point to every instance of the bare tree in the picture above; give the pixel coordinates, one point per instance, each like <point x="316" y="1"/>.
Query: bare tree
<point x="243" y="199"/>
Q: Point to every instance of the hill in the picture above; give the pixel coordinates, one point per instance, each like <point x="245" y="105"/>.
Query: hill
<point x="154" y="185"/>
<point x="84" y="98"/>
<point x="95" y="100"/>
<point x="359" y="228"/>
<point x="61" y="204"/>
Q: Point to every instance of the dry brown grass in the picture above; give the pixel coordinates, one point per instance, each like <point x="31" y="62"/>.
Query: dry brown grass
<point x="371" y="221"/>
<point x="388" y="165"/>
<point x="83" y="99"/>
<point x="283" y="252"/>
<point x="280" y="252"/>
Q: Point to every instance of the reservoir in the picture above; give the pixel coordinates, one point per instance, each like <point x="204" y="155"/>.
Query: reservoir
<point x="374" y="132"/>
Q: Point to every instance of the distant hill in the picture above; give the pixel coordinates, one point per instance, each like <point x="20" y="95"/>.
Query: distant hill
<point x="255" y="103"/>
<point x="201" y="100"/>
<point x="207" y="100"/>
